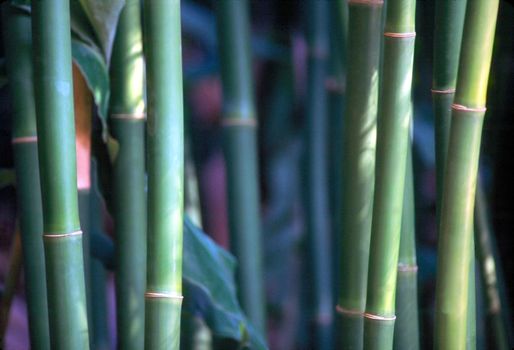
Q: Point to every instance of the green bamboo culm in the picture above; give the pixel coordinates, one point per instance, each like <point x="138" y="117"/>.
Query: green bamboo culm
<point x="316" y="193"/>
<point x="240" y="148"/>
<point x="165" y="157"/>
<point x="360" y="118"/>
<point x="449" y="24"/>
<point x="456" y="220"/>
<point x="57" y="163"/>
<point x="394" y="120"/>
<point x="127" y="124"/>
<point x="406" y="328"/>
<point x="18" y="41"/>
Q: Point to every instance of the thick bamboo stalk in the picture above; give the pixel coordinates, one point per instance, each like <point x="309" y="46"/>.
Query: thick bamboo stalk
<point x="18" y="41"/>
<point x="165" y="156"/>
<point x="56" y="149"/>
<point x="359" y="139"/>
<point x="456" y="223"/>
<point x="240" y="148"/>
<point x="392" y="147"/>
<point x="127" y="122"/>
<point x="406" y="329"/>
<point x="449" y="24"/>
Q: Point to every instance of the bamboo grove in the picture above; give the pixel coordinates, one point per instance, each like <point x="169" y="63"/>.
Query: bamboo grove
<point x="298" y="135"/>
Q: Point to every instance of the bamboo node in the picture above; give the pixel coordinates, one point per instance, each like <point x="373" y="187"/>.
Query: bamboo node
<point x="458" y="107"/>
<point x="379" y="318"/>
<point x="62" y="235"/>
<point x="366" y="2"/>
<point x="249" y="122"/>
<point x="400" y="35"/>
<point x="163" y="295"/>
<point x="344" y="311"/>
<point x="128" y="116"/>
<point x="407" y="268"/>
<point x="24" y="139"/>
<point x="443" y="92"/>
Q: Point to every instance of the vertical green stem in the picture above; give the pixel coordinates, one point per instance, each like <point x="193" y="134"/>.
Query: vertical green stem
<point x="359" y="140"/>
<point x="406" y="329"/>
<point x="394" y="120"/>
<point x="18" y="40"/>
<point x="456" y="219"/>
<point x="56" y="149"/>
<point x="165" y="156"/>
<point x="127" y="122"/>
<point x="240" y="148"/>
<point x="316" y="193"/>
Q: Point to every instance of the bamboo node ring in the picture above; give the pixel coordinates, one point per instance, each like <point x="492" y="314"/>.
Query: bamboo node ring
<point x="24" y="139"/>
<point x="366" y="2"/>
<point x="250" y="122"/>
<point x="163" y="295"/>
<point x="128" y="116"/>
<point x="458" y="107"/>
<point x="443" y="92"/>
<point x="407" y="268"/>
<point x="379" y="318"/>
<point x="62" y="235"/>
<point x="400" y="35"/>
<point x="344" y="311"/>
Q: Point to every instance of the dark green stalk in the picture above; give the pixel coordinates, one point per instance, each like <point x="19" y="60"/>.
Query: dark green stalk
<point x="316" y="193"/>
<point x="488" y="260"/>
<point x="456" y="222"/>
<point x="359" y="140"/>
<point x="127" y="124"/>
<point x="165" y="156"/>
<point x="240" y="148"/>
<point x="406" y="329"/>
<point x="394" y="120"/>
<point x="18" y="41"/>
<point x="56" y="149"/>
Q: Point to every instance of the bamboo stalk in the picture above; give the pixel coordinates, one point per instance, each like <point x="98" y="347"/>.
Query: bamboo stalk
<point x="56" y="147"/>
<point x="127" y="122"/>
<point x="406" y="329"/>
<point x="316" y="193"/>
<point x="165" y="155"/>
<point x="449" y="24"/>
<point x="18" y="41"/>
<point x="240" y="148"/>
<point x="359" y="160"/>
<point x="456" y="225"/>
<point x="394" y="120"/>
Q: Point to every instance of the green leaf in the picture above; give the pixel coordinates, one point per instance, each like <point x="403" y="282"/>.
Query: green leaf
<point x="103" y="17"/>
<point x="93" y="67"/>
<point x="209" y="288"/>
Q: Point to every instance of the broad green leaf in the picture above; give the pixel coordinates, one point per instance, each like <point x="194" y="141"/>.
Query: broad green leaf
<point x="93" y="67"/>
<point x="209" y="288"/>
<point x="103" y="17"/>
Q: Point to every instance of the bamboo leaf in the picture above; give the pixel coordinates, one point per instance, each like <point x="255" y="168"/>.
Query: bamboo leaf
<point x="103" y="17"/>
<point x="93" y="67"/>
<point x="209" y="288"/>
